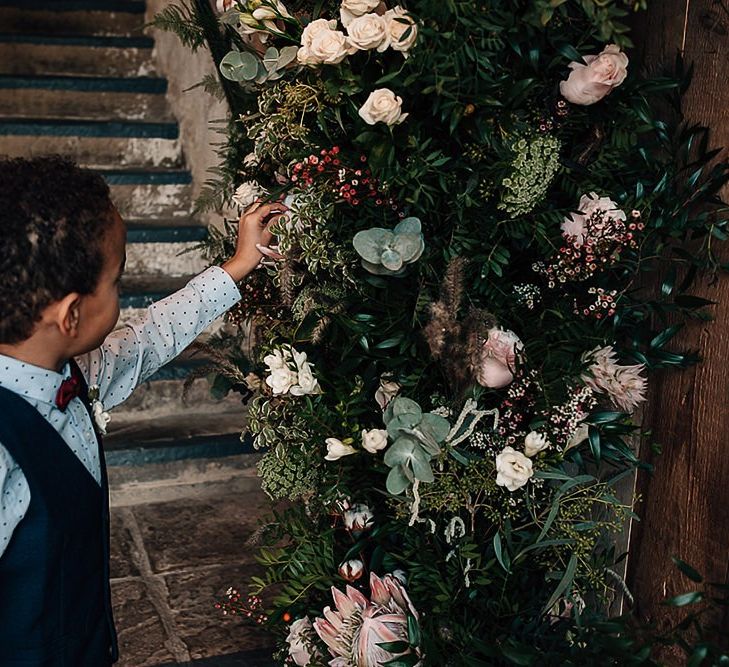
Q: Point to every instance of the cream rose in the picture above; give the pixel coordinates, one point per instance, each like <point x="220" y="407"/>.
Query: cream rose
<point x="374" y="440"/>
<point x="513" y="469"/>
<point x="336" y="449"/>
<point x="383" y="106"/>
<point x="351" y="9"/>
<point x="369" y="32"/>
<point x="588" y="84"/>
<point x="321" y="44"/>
<point x="400" y="22"/>
<point x="497" y="359"/>
<point x="535" y="443"/>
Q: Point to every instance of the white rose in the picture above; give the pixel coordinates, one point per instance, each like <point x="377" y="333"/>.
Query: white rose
<point x="513" y="469"/>
<point x="589" y="83"/>
<point x="369" y="32"/>
<point x="387" y="390"/>
<point x="374" y="440"/>
<point x="246" y="194"/>
<point x="383" y="106"/>
<point x="101" y="417"/>
<point x="323" y="45"/>
<point x="302" y="648"/>
<point x="336" y="449"/>
<point x="535" y="443"/>
<point x="351" y="570"/>
<point x="358" y="518"/>
<point x="398" y="23"/>
<point x="351" y="9"/>
<point x="281" y="380"/>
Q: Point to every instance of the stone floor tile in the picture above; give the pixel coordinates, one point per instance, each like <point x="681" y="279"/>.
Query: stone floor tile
<point x="121" y="562"/>
<point x="194" y="533"/>
<point x="205" y="630"/>
<point x="141" y="634"/>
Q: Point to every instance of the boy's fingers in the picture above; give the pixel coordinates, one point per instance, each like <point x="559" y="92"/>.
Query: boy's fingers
<point x="268" y="252"/>
<point x="262" y="211"/>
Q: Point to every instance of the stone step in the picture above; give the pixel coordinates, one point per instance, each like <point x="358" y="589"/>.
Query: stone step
<point x="76" y="55"/>
<point x="85" y="17"/>
<point x="150" y="193"/>
<point x="87" y="97"/>
<point x="94" y="143"/>
<point x="163" y="259"/>
<point x="160" y="431"/>
<point x="165" y="231"/>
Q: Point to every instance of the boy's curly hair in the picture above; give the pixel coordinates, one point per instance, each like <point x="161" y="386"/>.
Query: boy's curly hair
<point x="53" y="219"/>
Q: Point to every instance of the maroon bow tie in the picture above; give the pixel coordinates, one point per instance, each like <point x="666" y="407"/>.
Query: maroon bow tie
<point x="70" y="388"/>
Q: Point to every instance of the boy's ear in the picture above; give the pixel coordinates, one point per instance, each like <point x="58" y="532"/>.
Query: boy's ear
<point x="68" y="314"/>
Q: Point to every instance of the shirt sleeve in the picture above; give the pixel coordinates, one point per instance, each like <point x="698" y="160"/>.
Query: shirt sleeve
<point x="134" y="352"/>
<point x="14" y="497"/>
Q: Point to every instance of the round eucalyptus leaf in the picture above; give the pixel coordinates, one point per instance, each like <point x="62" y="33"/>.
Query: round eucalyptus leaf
<point x="391" y="260"/>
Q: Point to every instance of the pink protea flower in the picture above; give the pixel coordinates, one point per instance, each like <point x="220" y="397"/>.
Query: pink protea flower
<point x="497" y="358"/>
<point x="624" y="384"/>
<point x="354" y="630"/>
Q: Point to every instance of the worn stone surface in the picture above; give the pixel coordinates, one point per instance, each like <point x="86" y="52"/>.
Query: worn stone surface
<point x="196" y="533"/>
<point x="168" y="259"/>
<point x="204" y="629"/>
<point x="142" y="636"/>
<point x="171" y="561"/>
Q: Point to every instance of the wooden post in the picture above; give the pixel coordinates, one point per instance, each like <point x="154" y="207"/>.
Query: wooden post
<point x="685" y="506"/>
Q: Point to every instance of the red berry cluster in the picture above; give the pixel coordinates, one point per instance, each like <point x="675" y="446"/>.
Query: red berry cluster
<point x="515" y="410"/>
<point x="353" y="185"/>
<point x="604" y="239"/>
<point x="233" y="606"/>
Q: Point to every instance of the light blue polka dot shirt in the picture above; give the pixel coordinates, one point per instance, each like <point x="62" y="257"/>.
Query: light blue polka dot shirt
<point x="128" y="357"/>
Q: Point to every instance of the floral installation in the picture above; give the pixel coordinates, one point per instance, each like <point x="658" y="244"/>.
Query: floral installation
<point x="447" y="365"/>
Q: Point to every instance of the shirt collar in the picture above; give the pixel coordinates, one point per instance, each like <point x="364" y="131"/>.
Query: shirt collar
<point x="31" y="381"/>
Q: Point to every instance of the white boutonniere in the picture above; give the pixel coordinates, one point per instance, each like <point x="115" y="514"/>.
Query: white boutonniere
<point x="101" y="417"/>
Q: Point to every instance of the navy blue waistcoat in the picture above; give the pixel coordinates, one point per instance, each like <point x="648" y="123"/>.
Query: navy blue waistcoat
<point x="55" y="598"/>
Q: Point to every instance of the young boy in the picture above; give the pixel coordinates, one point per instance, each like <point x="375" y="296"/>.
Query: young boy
<point x="61" y="260"/>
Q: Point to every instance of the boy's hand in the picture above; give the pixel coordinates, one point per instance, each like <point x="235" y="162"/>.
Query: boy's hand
<point x="253" y="239"/>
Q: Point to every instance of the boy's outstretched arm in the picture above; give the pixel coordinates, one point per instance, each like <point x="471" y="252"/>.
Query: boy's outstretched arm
<point x="131" y="354"/>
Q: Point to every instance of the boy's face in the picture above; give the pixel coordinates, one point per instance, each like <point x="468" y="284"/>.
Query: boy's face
<point x="99" y="311"/>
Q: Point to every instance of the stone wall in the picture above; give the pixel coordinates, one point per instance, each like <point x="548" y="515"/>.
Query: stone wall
<point x="193" y="109"/>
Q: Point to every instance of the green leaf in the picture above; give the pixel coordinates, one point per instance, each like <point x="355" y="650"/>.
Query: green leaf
<point x="564" y="584"/>
<point x="685" y="599"/>
<point x="397" y="481"/>
<point x="594" y="438"/>
<point x="394" y="647"/>
<point x="413" y="631"/>
<point x="687" y="570"/>
<point x="502" y="557"/>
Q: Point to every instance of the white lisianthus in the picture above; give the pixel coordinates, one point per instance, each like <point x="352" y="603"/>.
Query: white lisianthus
<point x="535" y="443"/>
<point x="351" y="9"/>
<point x="399" y="22"/>
<point x="351" y="570"/>
<point x="387" y="390"/>
<point x="336" y="449"/>
<point x="358" y="518"/>
<point x="369" y="32"/>
<point x="513" y="469"/>
<point x="290" y="373"/>
<point x="383" y="106"/>
<point x="246" y="194"/>
<point x="374" y="440"/>
<point x="321" y="44"/>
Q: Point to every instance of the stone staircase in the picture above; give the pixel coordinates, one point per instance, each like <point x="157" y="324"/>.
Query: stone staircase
<point x="78" y="77"/>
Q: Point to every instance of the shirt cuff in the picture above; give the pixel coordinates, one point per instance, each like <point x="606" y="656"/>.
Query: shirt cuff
<point x="217" y="289"/>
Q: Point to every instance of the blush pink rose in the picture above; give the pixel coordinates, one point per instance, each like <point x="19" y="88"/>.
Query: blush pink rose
<point x="589" y="83"/>
<point x="497" y="359"/>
